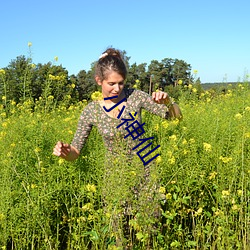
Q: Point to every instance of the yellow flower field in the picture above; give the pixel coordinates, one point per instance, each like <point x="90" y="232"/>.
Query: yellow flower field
<point x="202" y="173"/>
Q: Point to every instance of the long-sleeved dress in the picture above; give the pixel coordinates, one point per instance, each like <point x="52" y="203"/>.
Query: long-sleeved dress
<point x="94" y="115"/>
<point x="120" y="180"/>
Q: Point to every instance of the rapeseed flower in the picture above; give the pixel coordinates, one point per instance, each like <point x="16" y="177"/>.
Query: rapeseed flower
<point x="97" y="96"/>
<point x="168" y="196"/>
<point x="238" y="116"/>
<point x="239" y="192"/>
<point x="207" y="147"/>
<point x="198" y="212"/>
<point x="225" y="159"/>
<point x="164" y="124"/>
<point x="87" y="207"/>
<point x="91" y="188"/>
<point x="162" y="190"/>
<point x="180" y="82"/>
<point x="235" y="207"/>
<point x="173" y="137"/>
<point x="225" y="193"/>
<point x="2" y="72"/>
<point x="158" y="159"/>
<point x="156" y="127"/>
<point x="212" y="175"/>
<point x="29" y="44"/>
<point x="171" y="160"/>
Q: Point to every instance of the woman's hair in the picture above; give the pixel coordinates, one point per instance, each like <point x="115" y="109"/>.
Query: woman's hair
<point x="110" y="60"/>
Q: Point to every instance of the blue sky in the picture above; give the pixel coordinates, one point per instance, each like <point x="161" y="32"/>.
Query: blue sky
<point x="212" y="36"/>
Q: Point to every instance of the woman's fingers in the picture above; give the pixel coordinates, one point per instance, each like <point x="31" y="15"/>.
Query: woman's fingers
<point x="61" y="149"/>
<point x="160" y="97"/>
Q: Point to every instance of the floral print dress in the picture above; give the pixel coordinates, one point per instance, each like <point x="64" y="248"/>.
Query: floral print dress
<point x="94" y="115"/>
<point x="137" y="190"/>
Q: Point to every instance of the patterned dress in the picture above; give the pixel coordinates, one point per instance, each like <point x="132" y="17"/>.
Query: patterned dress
<point x="94" y="115"/>
<point x="125" y="182"/>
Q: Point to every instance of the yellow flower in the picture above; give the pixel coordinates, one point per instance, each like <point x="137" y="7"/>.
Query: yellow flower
<point x="194" y="90"/>
<point x="246" y="108"/>
<point x="173" y="137"/>
<point x="56" y="58"/>
<point x="162" y="190"/>
<point x="29" y="44"/>
<point x="195" y="71"/>
<point x="225" y="159"/>
<point x="168" y="196"/>
<point x="87" y="207"/>
<point x="61" y="161"/>
<point x="198" y="212"/>
<point x="239" y="192"/>
<point x="218" y="212"/>
<point x="97" y="96"/>
<point x="190" y="86"/>
<point x="73" y="85"/>
<point x="191" y="140"/>
<point x="235" y="207"/>
<point x="137" y="81"/>
<point x="37" y="149"/>
<point x="180" y="82"/>
<point x="171" y="160"/>
<point x="2" y="72"/>
<point x="158" y="159"/>
<point x="225" y="193"/>
<point x="50" y="97"/>
<point x="91" y="188"/>
<point x="133" y="173"/>
<point x="135" y="86"/>
<point x="238" y="116"/>
<point x="212" y="175"/>
<point x="3" y="97"/>
<point x="207" y="147"/>
<point x="2" y="217"/>
<point x="164" y="124"/>
<point x="156" y="127"/>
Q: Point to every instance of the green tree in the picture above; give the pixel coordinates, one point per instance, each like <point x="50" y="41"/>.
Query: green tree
<point x="18" y="79"/>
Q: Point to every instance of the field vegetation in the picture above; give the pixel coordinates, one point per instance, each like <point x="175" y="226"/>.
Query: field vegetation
<point x="202" y="172"/>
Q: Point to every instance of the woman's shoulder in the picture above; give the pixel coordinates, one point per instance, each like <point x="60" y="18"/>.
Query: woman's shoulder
<point x="135" y="93"/>
<point x="91" y="106"/>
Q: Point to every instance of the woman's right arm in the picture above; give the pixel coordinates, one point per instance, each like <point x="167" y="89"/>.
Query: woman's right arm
<point x="66" y="151"/>
<point x="70" y="152"/>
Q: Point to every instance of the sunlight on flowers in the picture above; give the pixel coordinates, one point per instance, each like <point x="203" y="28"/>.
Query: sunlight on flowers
<point x="207" y="147"/>
<point x="97" y="96"/>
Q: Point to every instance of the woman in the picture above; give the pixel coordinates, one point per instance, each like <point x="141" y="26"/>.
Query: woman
<point x="110" y="74"/>
<point x="108" y="116"/>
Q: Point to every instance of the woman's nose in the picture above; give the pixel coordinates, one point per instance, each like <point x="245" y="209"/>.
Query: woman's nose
<point x="116" y="87"/>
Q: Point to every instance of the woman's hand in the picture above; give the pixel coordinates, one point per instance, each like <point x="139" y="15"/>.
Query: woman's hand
<point x="161" y="97"/>
<point x="65" y="151"/>
<point x="61" y="149"/>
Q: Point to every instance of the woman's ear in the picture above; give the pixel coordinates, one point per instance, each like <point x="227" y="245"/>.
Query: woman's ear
<point x="98" y="80"/>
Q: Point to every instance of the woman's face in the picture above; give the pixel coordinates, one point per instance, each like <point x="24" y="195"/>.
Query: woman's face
<point x="112" y="85"/>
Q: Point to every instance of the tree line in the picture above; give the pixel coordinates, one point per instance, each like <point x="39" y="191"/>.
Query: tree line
<point x="22" y="79"/>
